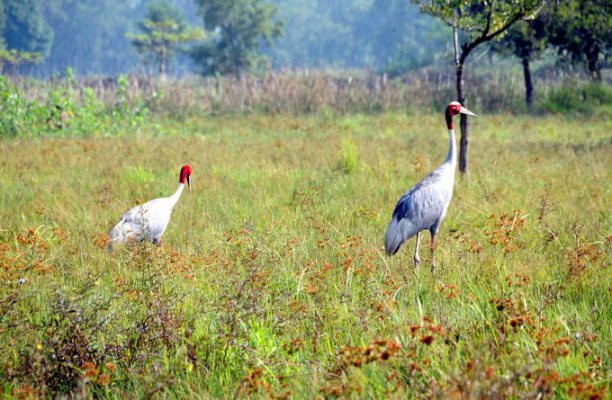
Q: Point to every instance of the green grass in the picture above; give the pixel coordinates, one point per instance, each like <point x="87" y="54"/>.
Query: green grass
<point x="271" y="280"/>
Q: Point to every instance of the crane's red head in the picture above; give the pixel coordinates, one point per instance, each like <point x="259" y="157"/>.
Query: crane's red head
<point x="453" y="109"/>
<point x="185" y="174"/>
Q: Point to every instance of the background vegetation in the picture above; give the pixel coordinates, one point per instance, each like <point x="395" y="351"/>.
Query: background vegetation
<point x="302" y="131"/>
<point x="271" y="281"/>
<point x="391" y="36"/>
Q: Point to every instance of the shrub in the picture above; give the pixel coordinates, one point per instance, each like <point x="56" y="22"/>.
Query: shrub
<point x="587" y="99"/>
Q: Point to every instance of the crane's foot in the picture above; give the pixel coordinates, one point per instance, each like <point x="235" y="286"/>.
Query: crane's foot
<point x="433" y="264"/>
<point x="417" y="261"/>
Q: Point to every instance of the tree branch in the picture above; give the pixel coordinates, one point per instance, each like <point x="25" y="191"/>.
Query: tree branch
<point x="485" y="37"/>
<point x="488" y="24"/>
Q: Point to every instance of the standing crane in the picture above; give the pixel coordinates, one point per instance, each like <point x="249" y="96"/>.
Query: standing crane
<point x="424" y="205"/>
<point x="148" y="221"/>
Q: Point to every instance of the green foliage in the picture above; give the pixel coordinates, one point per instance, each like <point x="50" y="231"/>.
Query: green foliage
<point x="66" y="110"/>
<point x="25" y="28"/>
<point x="15" y="58"/>
<point x="524" y="40"/>
<point x="392" y="34"/>
<point x="477" y="17"/>
<point x="582" y="31"/>
<point x="592" y="99"/>
<point x="240" y="29"/>
<point x="348" y="156"/>
<point x="89" y="36"/>
<point x="381" y="35"/>
<point x="164" y="32"/>
<point x="2" y="25"/>
<point x="479" y="21"/>
<point x="12" y="109"/>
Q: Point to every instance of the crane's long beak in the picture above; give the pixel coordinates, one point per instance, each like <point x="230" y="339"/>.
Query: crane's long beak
<point x="188" y="184"/>
<point x="467" y="112"/>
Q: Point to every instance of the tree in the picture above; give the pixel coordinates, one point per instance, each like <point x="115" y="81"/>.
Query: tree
<point x="526" y="40"/>
<point x="89" y="36"/>
<point x="320" y="33"/>
<point x="25" y="29"/>
<point x="396" y="37"/>
<point x="582" y="31"/>
<point x="2" y="25"/>
<point x="390" y="36"/>
<point x="16" y="58"/>
<point x="481" y="22"/>
<point x="164" y="31"/>
<point x="240" y="29"/>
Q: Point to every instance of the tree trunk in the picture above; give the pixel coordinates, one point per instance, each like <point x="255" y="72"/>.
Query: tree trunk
<point x="463" y="143"/>
<point x="593" y="64"/>
<point x="528" y="84"/>
<point x="161" y="67"/>
<point x="459" y="62"/>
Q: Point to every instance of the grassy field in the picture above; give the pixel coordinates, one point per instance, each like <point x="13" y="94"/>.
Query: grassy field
<point x="271" y="280"/>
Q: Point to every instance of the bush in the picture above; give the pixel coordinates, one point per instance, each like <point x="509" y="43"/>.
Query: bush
<point x="592" y="98"/>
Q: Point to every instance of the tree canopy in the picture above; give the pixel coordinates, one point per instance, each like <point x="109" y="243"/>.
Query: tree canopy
<point x="239" y="29"/>
<point x="89" y="35"/>
<point x="164" y="31"/>
<point x="2" y="25"/>
<point x="25" y="28"/>
<point x="582" y="32"/>
<point x="391" y="36"/>
<point x="382" y="35"/>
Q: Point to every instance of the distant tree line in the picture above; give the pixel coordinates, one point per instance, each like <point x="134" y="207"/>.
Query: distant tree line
<point x="233" y="36"/>
<point x="580" y="30"/>
<point x="390" y="36"/>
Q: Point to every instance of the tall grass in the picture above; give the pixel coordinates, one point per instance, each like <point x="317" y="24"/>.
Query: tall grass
<point x="117" y="104"/>
<point x="271" y="281"/>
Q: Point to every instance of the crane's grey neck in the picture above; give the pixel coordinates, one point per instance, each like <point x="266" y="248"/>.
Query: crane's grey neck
<point x="177" y="195"/>
<point x="451" y="158"/>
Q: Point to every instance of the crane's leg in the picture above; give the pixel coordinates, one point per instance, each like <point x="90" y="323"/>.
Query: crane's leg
<point x="433" y="248"/>
<point x="417" y="260"/>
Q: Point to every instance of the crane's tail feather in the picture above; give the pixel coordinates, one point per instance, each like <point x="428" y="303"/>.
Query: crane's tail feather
<point x="117" y="235"/>
<point x="398" y="231"/>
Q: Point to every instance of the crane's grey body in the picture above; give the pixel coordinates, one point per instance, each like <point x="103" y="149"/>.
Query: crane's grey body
<point x="424" y="206"/>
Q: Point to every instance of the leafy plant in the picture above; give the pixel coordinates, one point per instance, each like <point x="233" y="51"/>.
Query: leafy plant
<point x="348" y="156"/>
<point x="164" y="32"/>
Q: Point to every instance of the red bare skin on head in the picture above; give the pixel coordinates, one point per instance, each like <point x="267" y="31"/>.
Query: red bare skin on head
<point x="452" y="109"/>
<point x="185" y="172"/>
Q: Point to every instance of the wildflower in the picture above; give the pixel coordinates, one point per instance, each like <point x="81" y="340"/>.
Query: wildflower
<point x="428" y="340"/>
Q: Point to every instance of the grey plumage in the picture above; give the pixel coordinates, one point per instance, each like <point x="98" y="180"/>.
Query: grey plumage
<point x="420" y="208"/>
<point x="424" y="206"/>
